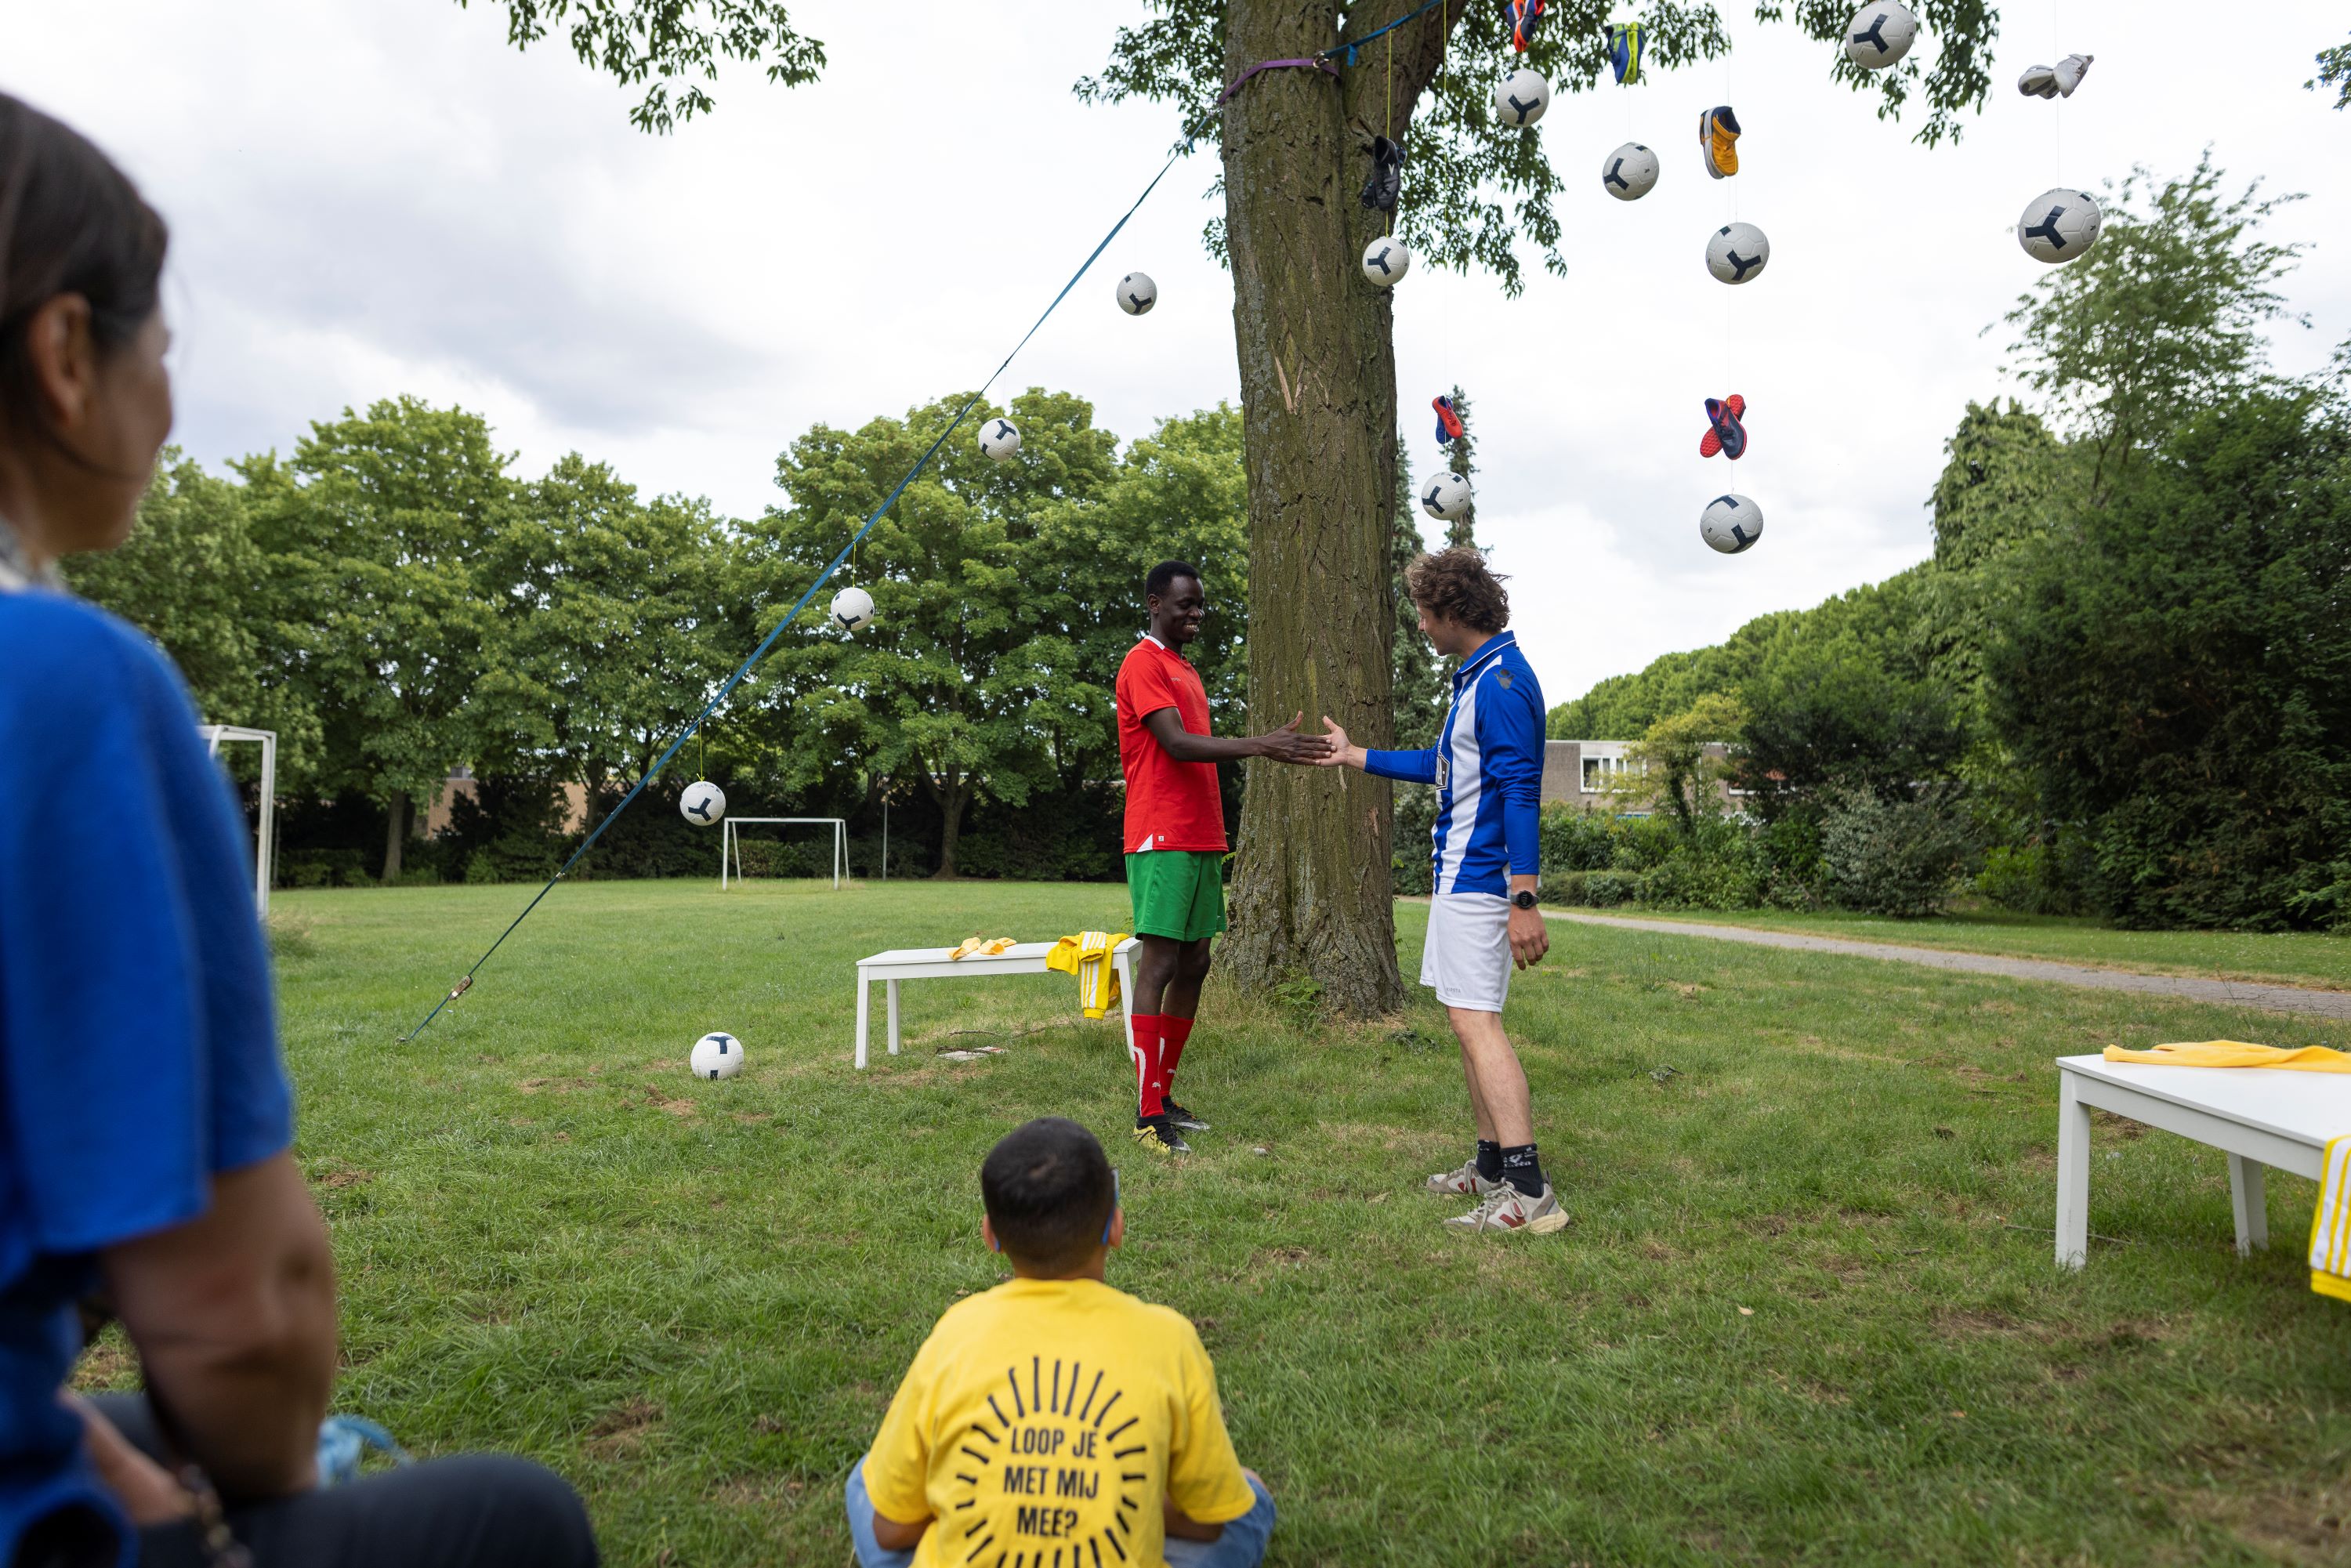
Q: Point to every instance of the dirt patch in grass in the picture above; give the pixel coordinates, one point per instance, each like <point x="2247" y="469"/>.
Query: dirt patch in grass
<point x="336" y="1175"/>
<point x="655" y="1099"/>
<point x="621" y="1430"/>
<point x="1983" y="1322"/>
<point x="2288" y="1524"/>
<point x="553" y="1085"/>
<point x="2122" y="1127"/>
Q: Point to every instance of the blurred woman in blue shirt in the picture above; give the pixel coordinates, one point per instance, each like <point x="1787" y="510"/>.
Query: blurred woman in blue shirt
<point x="145" y="1120"/>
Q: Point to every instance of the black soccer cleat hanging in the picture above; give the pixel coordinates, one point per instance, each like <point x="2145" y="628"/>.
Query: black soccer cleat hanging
<point x="1386" y="181"/>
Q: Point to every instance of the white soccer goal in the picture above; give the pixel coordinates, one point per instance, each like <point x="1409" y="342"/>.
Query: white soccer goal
<point x="265" y="836"/>
<point x="730" y="846"/>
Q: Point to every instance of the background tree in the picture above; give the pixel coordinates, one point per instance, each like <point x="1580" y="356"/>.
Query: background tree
<point x="2168" y="315"/>
<point x="1318" y="375"/>
<point x="975" y="672"/>
<point x="381" y="520"/>
<point x="675" y="43"/>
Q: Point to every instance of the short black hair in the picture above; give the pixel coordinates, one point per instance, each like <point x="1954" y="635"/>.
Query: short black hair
<point x="1050" y="1193"/>
<point x="1164" y="574"/>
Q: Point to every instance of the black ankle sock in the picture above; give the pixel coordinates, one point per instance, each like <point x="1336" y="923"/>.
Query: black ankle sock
<point x="1522" y="1170"/>
<point x="1490" y="1159"/>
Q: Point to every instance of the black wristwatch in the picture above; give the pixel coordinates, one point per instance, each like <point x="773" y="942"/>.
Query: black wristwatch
<point x="1523" y="900"/>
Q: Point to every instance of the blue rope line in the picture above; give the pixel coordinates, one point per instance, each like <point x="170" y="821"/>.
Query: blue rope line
<point x="1349" y="49"/>
<point x="793" y="614"/>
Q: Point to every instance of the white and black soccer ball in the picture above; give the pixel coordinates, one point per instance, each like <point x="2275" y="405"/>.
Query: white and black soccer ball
<point x="1630" y="173"/>
<point x="1880" y="34"/>
<point x="1730" y="523"/>
<point x="1137" y="294"/>
<point x="717" y="1056"/>
<point x="1386" y="260"/>
<point x="852" y="610"/>
<point x="2058" y="226"/>
<point x="1737" y="252"/>
<point x="1521" y="98"/>
<point x="703" y="804"/>
<point x="999" y="439"/>
<point x="1446" y="497"/>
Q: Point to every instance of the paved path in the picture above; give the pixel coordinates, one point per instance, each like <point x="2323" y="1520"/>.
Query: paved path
<point x="2270" y="997"/>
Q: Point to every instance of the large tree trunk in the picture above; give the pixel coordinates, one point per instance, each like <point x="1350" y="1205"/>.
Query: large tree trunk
<point x="1311" y="893"/>
<point x="952" y="801"/>
<point x="395" y="837"/>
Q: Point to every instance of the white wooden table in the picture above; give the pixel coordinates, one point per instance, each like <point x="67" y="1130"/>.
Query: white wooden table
<point x="2260" y="1116"/>
<point x="902" y="964"/>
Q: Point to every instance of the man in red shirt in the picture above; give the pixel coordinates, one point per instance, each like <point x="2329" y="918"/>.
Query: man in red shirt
<point x="1175" y="838"/>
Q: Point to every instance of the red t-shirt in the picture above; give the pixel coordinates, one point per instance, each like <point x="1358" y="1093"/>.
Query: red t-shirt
<point x="1170" y="805"/>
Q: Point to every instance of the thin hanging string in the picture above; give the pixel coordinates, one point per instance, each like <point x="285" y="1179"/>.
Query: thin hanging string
<point x="2057" y="121"/>
<point x="1389" y="92"/>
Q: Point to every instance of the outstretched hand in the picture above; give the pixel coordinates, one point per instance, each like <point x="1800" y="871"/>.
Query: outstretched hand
<point x="1287" y="745"/>
<point x="1341" y="751"/>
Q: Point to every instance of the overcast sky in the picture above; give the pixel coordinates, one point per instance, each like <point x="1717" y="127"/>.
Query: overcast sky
<point x="378" y="196"/>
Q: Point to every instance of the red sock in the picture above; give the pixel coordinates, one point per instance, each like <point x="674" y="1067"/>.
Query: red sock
<point x="1172" y="1033"/>
<point x="1145" y="1048"/>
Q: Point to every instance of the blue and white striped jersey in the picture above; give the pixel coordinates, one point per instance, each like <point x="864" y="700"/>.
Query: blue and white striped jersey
<point x="1488" y="769"/>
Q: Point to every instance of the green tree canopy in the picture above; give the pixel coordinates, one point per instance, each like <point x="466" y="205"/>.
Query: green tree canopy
<point x="676" y="44"/>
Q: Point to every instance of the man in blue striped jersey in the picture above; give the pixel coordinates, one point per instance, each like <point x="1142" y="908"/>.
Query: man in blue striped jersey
<point x="1488" y="769"/>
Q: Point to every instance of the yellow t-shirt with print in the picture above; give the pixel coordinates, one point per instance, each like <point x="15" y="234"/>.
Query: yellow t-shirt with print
<point x="1053" y="1414"/>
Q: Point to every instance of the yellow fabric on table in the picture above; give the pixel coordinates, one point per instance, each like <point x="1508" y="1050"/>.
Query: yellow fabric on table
<point x="1087" y="956"/>
<point x="983" y="946"/>
<point x="2237" y="1053"/>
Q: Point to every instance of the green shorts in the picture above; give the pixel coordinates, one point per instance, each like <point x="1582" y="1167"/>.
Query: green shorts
<point x="1177" y="893"/>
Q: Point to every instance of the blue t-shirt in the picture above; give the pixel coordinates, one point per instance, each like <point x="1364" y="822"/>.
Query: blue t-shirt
<point x="138" y="1049"/>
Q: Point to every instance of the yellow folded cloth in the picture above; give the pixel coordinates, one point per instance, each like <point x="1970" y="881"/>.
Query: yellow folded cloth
<point x="2330" y="1227"/>
<point x="2237" y="1053"/>
<point x="1087" y="956"/>
<point x="982" y="946"/>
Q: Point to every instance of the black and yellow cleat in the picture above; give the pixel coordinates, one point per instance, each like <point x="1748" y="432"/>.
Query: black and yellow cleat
<point x="1183" y="1118"/>
<point x="1158" y="1134"/>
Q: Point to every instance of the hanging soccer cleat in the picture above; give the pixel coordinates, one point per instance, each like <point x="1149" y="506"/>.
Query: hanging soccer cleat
<point x="1523" y="14"/>
<point x="1449" y="428"/>
<point x="1724" y="433"/>
<point x="1386" y="181"/>
<point x="1625" y="52"/>
<point x="1717" y="136"/>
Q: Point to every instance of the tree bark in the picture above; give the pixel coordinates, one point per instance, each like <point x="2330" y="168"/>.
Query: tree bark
<point x="1311" y="895"/>
<point x="395" y="837"/>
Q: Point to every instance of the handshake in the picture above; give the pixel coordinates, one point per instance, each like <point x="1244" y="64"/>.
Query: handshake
<point x="1330" y="749"/>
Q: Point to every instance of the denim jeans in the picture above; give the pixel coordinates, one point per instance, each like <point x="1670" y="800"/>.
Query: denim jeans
<point x="1242" y="1545"/>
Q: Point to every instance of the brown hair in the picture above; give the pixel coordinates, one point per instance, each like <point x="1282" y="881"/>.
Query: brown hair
<point x="71" y="222"/>
<point x="1455" y="585"/>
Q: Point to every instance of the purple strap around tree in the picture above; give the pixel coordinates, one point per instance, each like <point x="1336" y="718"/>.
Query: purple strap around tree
<point x="1316" y="61"/>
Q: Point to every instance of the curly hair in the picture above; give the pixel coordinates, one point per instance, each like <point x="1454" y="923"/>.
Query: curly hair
<point x="1455" y="585"/>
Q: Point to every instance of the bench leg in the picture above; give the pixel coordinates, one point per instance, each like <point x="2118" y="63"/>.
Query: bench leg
<point x="893" y="986"/>
<point x="2073" y="1175"/>
<point x="864" y="1015"/>
<point x="2246" y="1199"/>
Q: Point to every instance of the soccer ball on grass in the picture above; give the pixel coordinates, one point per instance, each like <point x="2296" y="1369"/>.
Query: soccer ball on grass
<point x="717" y="1056"/>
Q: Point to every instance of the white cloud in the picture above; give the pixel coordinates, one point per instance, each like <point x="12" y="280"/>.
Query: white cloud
<point x="379" y="198"/>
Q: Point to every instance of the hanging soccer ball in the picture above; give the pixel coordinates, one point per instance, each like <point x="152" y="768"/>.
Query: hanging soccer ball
<point x="999" y="439"/>
<point x="1386" y="260"/>
<point x="852" y="610"/>
<point x="704" y="803"/>
<point x="1737" y="252"/>
<point x="1521" y="98"/>
<point x="1137" y="294"/>
<point x="1880" y="35"/>
<point x="1630" y="173"/>
<point x="2059" y="225"/>
<point x="717" y="1056"/>
<point x="1446" y="497"/>
<point x="1730" y="523"/>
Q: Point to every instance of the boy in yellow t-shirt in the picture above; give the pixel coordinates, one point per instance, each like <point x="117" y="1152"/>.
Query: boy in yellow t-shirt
<point x="1053" y="1419"/>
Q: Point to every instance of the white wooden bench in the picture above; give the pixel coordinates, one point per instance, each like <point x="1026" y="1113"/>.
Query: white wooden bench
<point x="902" y="964"/>
<point x="2260" y="1116"/>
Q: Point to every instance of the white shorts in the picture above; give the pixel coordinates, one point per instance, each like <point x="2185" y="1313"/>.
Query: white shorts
<point x="1466" y="958"/>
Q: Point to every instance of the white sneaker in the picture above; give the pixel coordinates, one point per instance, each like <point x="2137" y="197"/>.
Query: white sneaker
<point x="1507" y="1208"/>
<point x="2070" y="71"/>
<point x="1462" y="1181"/>
<point x="2038" y="81"/>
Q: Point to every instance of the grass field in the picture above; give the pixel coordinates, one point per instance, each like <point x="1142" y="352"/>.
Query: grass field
<point x="1806" y="1311"/>
<point x="2301" y="958"/>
